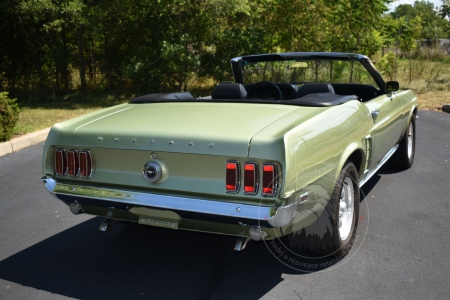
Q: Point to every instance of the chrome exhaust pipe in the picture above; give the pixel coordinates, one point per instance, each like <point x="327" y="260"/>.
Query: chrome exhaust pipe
<point x="106" y="224"/>
<point x="241" y="243"/>
<point x="76" y="208"/>
<point x="256" y="234"/>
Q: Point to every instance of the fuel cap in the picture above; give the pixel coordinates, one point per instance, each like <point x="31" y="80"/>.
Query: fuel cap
<point x="152" y="171"/>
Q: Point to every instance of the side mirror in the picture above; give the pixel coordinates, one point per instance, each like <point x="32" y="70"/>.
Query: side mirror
<point x="392" y="86"/>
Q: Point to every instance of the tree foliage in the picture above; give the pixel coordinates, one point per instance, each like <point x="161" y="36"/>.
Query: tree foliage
<point x="54" y="47"/>
<point x="9" y="115"/>
<point x="433" y="26"/>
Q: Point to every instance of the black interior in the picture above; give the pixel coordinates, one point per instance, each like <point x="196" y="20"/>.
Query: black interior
<point x="313" y="88"/>
<point x="228" y="90"/>
<point x="268" y="92"/>
<point x="320" y="99"/>
<point x="308" y="94"/>
<point x="364" y="92"/>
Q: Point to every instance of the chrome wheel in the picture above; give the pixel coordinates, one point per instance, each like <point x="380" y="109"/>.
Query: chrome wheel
<point x="410" y="139"/>
<point x="346" y="207"/>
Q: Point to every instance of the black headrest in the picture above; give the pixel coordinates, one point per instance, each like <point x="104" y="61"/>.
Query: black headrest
<point x="229" y="91"/>
<point x="313" y="88"/>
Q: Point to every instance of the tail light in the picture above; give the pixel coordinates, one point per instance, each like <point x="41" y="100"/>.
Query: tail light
<point x="269" y="180"/>
<point x="73" y="162"/>
<point x="85" y="164"/>
<point x="60" y="162"/>
<point x="232" y="177"/>
<point x="250" y="178"/>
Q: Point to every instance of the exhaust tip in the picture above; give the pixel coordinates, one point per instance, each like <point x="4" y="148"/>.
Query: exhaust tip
<point x="106" y="224"/>
<point x="256" y="234"/>
<point x="76" y="208"/>
<point x="241" y="243"/>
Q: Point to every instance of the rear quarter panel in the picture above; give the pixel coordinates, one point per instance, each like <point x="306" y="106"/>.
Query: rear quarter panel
<point x="314" y="152"/>
<point x="317" y="147"/>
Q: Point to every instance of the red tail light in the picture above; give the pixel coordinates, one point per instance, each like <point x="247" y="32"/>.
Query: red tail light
<point x="250" y="178"/>
<point x="73" y="162"/>
<point x="232" y="177"/>
<point x="269" y="180"/>
<point x="85" y="164"/>
<point x="60" y="162"/>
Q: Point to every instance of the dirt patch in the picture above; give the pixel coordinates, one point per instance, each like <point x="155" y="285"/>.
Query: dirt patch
<point x="433" y="100"/>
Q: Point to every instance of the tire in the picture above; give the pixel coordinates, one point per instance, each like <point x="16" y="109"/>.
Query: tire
<point x="332" y="234"/>
<point x="403" y="158"/>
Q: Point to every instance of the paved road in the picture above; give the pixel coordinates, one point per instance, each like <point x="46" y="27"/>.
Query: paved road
<point x="402" y="251"/>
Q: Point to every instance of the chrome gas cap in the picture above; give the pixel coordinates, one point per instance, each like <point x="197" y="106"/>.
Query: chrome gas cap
<point x="152" y="171"/>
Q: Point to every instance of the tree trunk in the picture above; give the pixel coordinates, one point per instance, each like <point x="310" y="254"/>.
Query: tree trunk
<point x="108" y="63"/>
<point x="351" y="71"/>
<point x="57" y="77"/>
<point x="410" y="68"/>
<point x="64" y="71"/>
<point x="180" y="77"/>
<point x="81" y="62"/>
<point x="93" y="63"/>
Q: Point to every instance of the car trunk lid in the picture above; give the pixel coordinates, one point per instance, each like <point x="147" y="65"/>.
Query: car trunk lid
<point x="201" y="128"/>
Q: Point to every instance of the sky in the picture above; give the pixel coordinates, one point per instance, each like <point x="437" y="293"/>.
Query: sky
<point x="398" y="2"/>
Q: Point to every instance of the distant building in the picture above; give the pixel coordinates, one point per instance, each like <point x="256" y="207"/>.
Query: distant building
<point x="445" y="45"/>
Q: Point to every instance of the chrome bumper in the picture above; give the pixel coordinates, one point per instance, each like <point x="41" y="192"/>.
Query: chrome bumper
<point x="261" y="215"/>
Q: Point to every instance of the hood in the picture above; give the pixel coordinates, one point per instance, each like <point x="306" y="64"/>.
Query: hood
<point x="201" y="128"/>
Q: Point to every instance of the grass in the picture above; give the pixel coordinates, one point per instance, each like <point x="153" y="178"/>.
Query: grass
<point x="430" y="81"/>
<point x="34" y="117"/>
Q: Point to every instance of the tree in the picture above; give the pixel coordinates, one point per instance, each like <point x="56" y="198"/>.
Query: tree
<point x="411" y="32"/>
<point x="148" y="46"/>
<point x="354" y="24"/>
<point x="433" y="26"/>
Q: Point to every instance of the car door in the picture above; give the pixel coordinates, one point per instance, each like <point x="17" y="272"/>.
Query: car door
<point x="386" y="115"/>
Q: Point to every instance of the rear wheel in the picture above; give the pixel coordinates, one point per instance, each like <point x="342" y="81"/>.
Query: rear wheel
<point x="403" y="158"/>
<point x="335" y="229"/>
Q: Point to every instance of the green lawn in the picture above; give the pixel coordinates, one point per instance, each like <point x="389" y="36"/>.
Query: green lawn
<point x="34" y="117"/>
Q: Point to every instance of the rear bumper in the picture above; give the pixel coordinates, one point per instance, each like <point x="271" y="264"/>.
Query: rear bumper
<point x="190" y="208"/>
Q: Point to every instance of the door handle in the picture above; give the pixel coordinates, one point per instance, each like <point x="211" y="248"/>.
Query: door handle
<point x="375" y="114"/>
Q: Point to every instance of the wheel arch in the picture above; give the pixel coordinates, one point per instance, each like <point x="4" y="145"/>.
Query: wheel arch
<point x="415" y="111"/>
<point x="356" y="155"/>
<point x="412" y="114"/>
<point x="357" y="158"/>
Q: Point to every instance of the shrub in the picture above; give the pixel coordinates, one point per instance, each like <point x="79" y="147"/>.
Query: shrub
<point x="387" y="65"/>
<point x="9" y="114"/>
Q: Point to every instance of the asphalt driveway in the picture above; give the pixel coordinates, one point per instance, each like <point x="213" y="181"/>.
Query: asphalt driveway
<point x="402" y="249"/>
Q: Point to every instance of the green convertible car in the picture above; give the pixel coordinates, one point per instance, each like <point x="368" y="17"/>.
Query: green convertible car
<point x="280" y="153"/>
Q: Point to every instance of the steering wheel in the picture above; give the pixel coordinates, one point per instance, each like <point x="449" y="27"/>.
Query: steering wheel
<point x="267" y="85"/>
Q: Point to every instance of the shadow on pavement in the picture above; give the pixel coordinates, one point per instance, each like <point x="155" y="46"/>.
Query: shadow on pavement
<point x="131" y="262"/>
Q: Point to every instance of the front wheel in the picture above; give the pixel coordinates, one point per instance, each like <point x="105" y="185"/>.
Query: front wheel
<point x="334" y="231"/>
<point x="403" y="158"/>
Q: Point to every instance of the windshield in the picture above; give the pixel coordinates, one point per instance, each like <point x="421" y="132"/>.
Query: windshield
<point x="299" y="72"/>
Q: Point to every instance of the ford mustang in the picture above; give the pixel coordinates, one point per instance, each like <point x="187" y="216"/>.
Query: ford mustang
<point x="280" y="152"/>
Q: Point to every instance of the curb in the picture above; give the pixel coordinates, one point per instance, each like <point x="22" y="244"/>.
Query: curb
<point x="446" y="108"/>
<point x="24" y="141"/>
